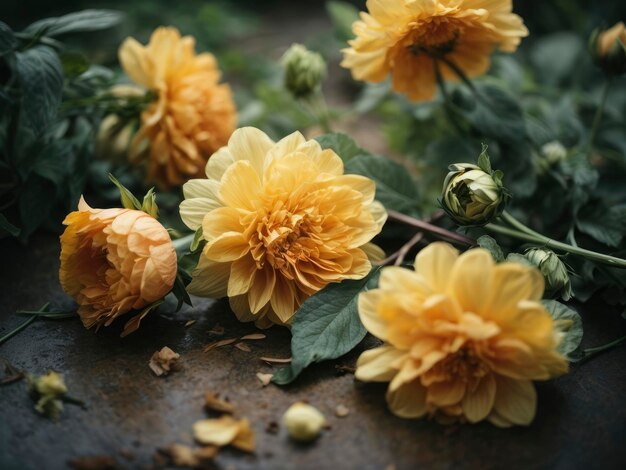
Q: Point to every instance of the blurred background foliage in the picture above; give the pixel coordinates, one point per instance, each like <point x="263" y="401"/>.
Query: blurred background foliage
<point x="546" y="93"/>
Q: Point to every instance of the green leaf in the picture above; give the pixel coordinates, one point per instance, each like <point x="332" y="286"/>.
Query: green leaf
<point x="326" y="326"/>
<point x="519" y="259"/>
<point x="342" y="144"/>
<point x="149" y="204"/>
<point x="568" y="322"/>
<point x="605" y="225"/>
<point x="491" y="245"/>
<point x="52" y="161"/>
<point x="342" y="14"/>
<point x="483" y="160"/>
<point x="41" y="80"/>
<point x="7" y="39"/>
<point x="8" y="226"/>
<point x="179" y="290"/>
<point x="197" y="239"/>
<point x="129" y="201"/>
<point x="497" y="114"/>
<point x="74" y="64"/>
<point x="395" y="188"/>
<point x="78" y="22"/>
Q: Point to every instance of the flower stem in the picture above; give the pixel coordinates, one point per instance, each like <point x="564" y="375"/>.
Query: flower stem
<point x="448" y="105"/>
<point x="598" y="117"/>
<point x="430" y="228"/>
<point x="534" y="237"/>
<point x="183" y="243"/>
<point x="10" y="334"/>
<point x="591" y="352"/>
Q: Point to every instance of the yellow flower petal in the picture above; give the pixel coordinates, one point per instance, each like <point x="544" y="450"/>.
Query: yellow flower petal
<point x="471" y="279"/>
<point x="251" y="145"/>
<point x="434" y="263"/>
<point x="240" y="186"/>
<point x="227" y="247"/>
<point x="408" y="400"/>
<point x="210" y="279"/>
<point x="516" y="400"/>
<point x="478" y="403"/>
<point x="368" y="313"/>
<point x="377" y="365"/>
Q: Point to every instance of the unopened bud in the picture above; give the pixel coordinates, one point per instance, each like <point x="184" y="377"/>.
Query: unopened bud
<point x="303" y="422"/>
<point x="608" y="49"/>
<point x="474" y="194"/>
<point x="554" y="272"/>
<point x="304" y="70"/>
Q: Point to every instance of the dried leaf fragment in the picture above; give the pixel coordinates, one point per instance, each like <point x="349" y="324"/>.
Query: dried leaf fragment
<point x="190" y="322"/>
<point x="225" y="430"/>
<point x="341" y="411"/>
<point x="254" y="336"/>
<point x="164" y="361"/>
<point x="217" y="330"/>
<point x="94" y="462"/>
<point x="185" y="456"/>
<point x="243" y="347"/>
<point x="275" y="360"/>
<point x="264" y="378"/>
<point x="214" y="403"/>
<point x="219" y="344"/>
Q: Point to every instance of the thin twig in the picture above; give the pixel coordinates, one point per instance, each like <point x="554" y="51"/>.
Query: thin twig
<point x="430" y="228"/>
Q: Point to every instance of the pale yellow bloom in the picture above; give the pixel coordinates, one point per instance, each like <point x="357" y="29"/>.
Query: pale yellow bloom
<point x="281" y="221"/>
<point x="464" y="338"/>
<point x="114" y="261"/>
<point x="193" y="114"/>
<point x="225" y="431"/>
<point x="402" y="38"/>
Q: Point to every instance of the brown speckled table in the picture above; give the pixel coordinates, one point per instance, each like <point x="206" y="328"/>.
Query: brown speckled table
<point x="581" y="419"/>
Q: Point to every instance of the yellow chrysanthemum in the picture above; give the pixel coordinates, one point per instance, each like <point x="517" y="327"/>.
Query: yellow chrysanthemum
<point x="403" y="37"/>
<point x="114" y="261"/>
<point x="193" y="115"/>
<point x="281" y="221"/>
<point x="463" y="337"/>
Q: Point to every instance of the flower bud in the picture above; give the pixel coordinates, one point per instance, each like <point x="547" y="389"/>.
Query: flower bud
<point x="554" y="272"/>
<point x="114" y="261"/>
<point x="304" y="70"/>
<point x="303" y="422"/>
<point x="608" y="49"/>
<point x="554" y="152"/>
<point x="473" y="194"/>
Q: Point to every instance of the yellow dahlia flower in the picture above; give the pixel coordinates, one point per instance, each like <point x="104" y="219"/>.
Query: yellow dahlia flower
<point x="402" y="38"/>
<point x="193" y="114"/>
<point x="114" y="261"/>
<point x="463" y="337"/>
<point x="281" y="221"/>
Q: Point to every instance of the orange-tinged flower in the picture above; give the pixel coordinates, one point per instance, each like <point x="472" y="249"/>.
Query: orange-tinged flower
<point x="402" y="38"/>
<point x="281" y="221"/>
<point x="607" y="39"/>
<point x="114" y="261"/>
<point x="464" y="338"/>
<point x="193" y="114"/>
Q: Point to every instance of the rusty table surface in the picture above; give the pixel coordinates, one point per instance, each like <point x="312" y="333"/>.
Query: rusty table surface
<point x="580" y="423"/>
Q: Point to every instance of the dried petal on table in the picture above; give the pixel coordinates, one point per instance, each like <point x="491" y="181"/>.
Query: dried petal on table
<point x="190" y="322"/>
<point x="225" y="430"/>
<point x="185" y="456"/>
<point x="164" y="361"/>
<point x="212" y="402"/>
<point x="219" y="344"/>
<point x="254" y="336"/>
<point x="217" y="330"/>
<point x="264" y="378"/>
<point x="243" y="347"/>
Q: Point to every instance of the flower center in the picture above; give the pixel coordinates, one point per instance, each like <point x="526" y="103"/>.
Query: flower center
<point x="463" y="365"/>
<point x="283" y="236"/>
<point x="435" y="38"/>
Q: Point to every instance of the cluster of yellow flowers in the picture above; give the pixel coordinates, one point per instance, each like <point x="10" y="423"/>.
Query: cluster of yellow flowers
<point x="463" y="337"/>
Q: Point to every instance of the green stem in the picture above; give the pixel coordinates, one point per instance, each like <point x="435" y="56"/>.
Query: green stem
<point x="591" y="352"/>
<point x="448" y="105"/>
<point x="550" y="243"/>
<point x="598" y="117"/>
<point x="10" y="334"/>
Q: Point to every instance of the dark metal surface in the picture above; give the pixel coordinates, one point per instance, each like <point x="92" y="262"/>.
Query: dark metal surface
<point x="581" y="419"/>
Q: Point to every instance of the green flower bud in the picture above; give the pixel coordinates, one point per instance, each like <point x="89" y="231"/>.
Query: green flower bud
<point x="149" y="205"/>
<point x="304" y="70"/>
<point x="474" y="194"/>
<point x="554" y="272"/>
<point x="608" y="49"/>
